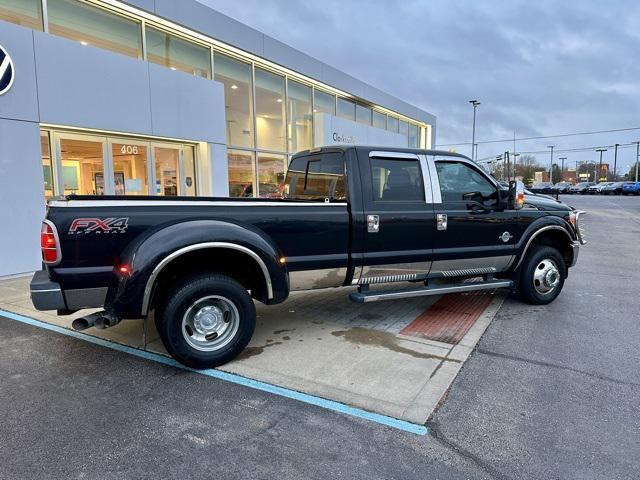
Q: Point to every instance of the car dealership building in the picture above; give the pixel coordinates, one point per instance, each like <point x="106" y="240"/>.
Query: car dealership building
<point x="163" y="97"/>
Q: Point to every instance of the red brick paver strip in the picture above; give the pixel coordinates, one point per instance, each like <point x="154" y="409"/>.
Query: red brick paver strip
<point x="450" y="318"/>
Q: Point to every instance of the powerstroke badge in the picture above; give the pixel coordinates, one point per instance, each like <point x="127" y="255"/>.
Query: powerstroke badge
<point x="106" y="226"/>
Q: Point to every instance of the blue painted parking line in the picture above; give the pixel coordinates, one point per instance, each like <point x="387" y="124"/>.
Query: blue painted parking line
<point x="229" y="377"/>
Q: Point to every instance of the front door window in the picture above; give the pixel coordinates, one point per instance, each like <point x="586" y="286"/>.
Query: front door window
<point x="461" y="183"/>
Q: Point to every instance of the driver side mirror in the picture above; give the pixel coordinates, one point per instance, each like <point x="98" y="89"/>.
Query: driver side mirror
<point x="516" y="195"/>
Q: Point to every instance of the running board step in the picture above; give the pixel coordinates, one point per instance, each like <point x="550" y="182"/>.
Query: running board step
<point x="369" y="296"/>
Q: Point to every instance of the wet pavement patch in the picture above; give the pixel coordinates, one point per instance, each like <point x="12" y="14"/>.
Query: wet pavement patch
<point x="362" y="336"/>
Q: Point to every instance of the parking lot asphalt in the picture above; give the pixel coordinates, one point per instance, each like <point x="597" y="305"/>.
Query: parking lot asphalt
<point x="554" y="392"/>
<point x="550" y="392"/>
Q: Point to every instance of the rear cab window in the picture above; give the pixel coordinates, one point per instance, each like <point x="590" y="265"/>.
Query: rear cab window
<point x="319" y="177"/>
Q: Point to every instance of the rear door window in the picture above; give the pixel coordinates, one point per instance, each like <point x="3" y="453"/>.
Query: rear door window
<point x="396" y="180"/>
<point x="317" y="177"/>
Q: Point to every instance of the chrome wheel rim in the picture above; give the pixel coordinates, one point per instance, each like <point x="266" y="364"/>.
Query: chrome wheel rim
<point x="210" y="323"/>
<point x="546" y="277"/>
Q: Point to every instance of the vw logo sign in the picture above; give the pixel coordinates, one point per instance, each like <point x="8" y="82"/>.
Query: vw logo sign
<point x="7" y="72"/>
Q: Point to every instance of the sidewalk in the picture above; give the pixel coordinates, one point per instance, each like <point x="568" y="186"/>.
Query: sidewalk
<point x="396" y="358"/>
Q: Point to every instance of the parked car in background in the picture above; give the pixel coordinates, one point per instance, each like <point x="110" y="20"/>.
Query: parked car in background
<point x="562" y="187"/>
<point x="597" y="188"/>
<point x="581" y="188"/>
<point x="543" y="187"/>
<point x="613" y="189"/>
<point x="631" y="188"/>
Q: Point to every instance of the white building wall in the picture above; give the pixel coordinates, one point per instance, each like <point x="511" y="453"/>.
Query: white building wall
<point x="331" y="130"/>
<point x="63" y="83"/>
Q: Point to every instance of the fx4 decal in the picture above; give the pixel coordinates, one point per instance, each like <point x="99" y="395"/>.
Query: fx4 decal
<point x="83" y="226"/>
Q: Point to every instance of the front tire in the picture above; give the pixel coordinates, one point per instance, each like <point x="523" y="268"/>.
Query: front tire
<point x="542" y="276"/>
<point x="206" y="321"/>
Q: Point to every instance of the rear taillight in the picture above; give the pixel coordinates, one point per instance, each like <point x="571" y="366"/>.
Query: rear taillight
<point x="49" y="243"/>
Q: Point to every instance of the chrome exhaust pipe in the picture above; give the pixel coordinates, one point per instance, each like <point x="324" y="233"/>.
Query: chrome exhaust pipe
<point x="100" y="320"/>
<point x="83" y="323"/>
<point x="106" y="321"/>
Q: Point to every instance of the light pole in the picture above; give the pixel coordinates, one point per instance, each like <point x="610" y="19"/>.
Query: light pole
<point x="637" y="157"/>
<point x="599" y="173"/>
<point x="615" y="161"/>
<point x="475" y="104"/>
<point x="562" y="159"/>
<point x="551" y="166"/>
<point x="498" y="160"/>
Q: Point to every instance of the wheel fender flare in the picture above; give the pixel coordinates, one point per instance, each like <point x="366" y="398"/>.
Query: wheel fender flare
<point x="148" y="255"/>
<point x="538" y="227"/>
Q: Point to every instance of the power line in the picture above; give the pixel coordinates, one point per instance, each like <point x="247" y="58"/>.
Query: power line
<point x="561" y="135"/>
<point x="567" y="150"/>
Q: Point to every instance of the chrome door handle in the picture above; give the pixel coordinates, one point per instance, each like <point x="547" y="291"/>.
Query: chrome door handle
<point x="441" y="221"/>
<point x="373" y="223"/>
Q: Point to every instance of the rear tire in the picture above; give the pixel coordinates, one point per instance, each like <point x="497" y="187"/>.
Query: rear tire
<point x="206" y="321"/>
<point x="542" y="276"/>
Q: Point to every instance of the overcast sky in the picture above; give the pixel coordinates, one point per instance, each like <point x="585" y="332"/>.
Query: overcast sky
<point x="539" y="68"/>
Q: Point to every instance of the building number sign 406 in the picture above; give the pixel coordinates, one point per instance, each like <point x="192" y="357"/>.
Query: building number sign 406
<point x="129" y="149"/>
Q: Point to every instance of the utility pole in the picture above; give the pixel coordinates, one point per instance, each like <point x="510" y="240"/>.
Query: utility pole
<point x="506" y="156"/>
<point x="637" y="157"/>
<point x="515" y="162"/>
<point x="615" y="161"/>
<point x="475" y="104"/>
<point x="562" y="168"/>
<point x="551" y="166"/>
<point x="599" y="173"/>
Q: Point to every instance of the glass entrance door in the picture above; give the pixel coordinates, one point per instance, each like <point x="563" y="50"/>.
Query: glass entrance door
<point x="130" y="167"/>
<point x="167" y="170"/>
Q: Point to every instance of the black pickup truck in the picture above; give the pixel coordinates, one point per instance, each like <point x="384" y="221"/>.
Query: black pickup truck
<point x="424" y="222"/>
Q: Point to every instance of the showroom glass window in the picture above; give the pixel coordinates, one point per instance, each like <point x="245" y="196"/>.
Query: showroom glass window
<point x="82" y="166"/>
<point x="300" y="117"/>
<point x="241" y="173"/>
<point x="270" y="111"/>
<point x="363" y="114"/>
<point x="396" y="180"/>
<point x="27" y="13"/>
<point x="47" y="165"/>
<point x="178" y="54"/>
<point x="324" y="102"/>
<point x="392" y="124"/>
<point x="461" y="183"/>
<point x="236" y="78"/>
<point x="346" y="109"/>
<point x="271" y="170"/>
<point x="94" y="26"/>
<point x="403" y="128"/>
<point x="379" y="120"/>
<point x="413" y="136"/>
